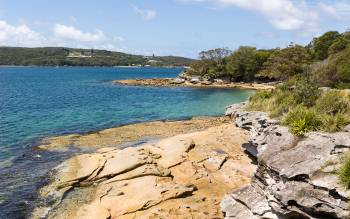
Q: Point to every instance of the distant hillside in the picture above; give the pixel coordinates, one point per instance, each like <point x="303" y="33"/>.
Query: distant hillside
<point x="60" y="56"/>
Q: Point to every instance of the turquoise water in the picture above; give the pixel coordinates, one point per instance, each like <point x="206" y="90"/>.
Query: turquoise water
<point x="36" y="102"/>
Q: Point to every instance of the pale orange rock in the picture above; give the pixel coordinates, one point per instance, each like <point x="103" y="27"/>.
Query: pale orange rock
<point x="184" y="176"/>
<point x="169" y="82"/>
<point x="114" y="137"/>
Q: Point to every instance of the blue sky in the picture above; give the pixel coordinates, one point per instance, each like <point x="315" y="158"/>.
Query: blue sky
<point x="168" y="27"/>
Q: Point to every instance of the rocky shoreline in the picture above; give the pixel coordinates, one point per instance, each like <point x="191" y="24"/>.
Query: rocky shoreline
<point x="295" y="178"/>
<point x="196" y="83"/>
<point x="129" y="135"/>
<point x="181" y="176"/>
<point x="253" y="169"/>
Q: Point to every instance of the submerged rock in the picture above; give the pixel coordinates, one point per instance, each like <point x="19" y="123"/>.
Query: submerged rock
<point x="295" y="176"/>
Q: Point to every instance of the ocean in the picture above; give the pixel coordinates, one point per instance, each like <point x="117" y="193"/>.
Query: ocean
<point x="36" y="102"/>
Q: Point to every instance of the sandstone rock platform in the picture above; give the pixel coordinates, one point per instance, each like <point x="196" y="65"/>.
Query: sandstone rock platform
<point x="184" y="176"/>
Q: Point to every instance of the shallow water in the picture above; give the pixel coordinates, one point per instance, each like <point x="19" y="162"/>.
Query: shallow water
<point x="36" y="102"/>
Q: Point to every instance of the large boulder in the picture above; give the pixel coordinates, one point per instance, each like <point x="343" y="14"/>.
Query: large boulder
<point x="195" y="80"/>
<point x="295" y="176"/>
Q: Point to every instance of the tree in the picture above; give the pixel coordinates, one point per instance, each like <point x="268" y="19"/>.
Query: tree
<point x="215" y="54"/>
<point x="284" y="63"/>
<point x="242" y="64"/>
<point x="201" y="67"/>
<point x="338" y="45"/>
<point x="211" y="64"/>
<point x="320" y="45"/>
<point x="336" y="71"/>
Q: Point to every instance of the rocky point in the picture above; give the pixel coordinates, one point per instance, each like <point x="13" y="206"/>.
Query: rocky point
<point x="295" y="178"/>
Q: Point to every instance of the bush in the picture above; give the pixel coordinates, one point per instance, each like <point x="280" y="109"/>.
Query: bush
<point x="344" y="171"/>
<point x="303" y="120"/>
<point x="306" y="92"/>
<point x="332" y="103"/>
<point x="285" y="63"/>
<point x="263" y="95"/>
<point x="259" y="101"/>
<point x="281" y="103"/>
<point x="334" y="123"/>
<point x="336" y="70"/>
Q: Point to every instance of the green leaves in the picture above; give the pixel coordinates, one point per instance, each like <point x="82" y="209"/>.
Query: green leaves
<point x="344" y="171"/>
<point x="303" y="120"/>
<point x="285" y="63"/>
<point x="321" y="45"/>
<point x="243" y="64"/>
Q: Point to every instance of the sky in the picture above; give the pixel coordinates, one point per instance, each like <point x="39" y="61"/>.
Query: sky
<point x="168" y="27"/>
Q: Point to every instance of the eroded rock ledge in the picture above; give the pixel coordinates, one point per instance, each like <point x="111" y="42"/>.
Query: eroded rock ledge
<point x="295" y="176"/>
<point x="184" y="176"/>
<point x="180" y="82"/>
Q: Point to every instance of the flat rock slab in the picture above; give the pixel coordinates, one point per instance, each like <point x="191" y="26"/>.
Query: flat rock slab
<point x="181" y="176"/>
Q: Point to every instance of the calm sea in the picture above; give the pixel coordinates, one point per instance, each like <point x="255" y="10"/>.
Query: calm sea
<point x="36" y="102"/>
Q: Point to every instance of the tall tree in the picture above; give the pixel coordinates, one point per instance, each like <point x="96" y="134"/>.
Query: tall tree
<point x="320" y="45"/>
<point x="284" y="63"/>
<point x="242" y="64"/>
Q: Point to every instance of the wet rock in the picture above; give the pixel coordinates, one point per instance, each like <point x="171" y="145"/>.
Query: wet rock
<point x="295" y="177"/>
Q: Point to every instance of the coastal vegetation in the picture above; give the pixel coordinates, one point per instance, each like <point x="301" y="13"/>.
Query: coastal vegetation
<point x="304" y="107"/>
<point x="344" y="171"/>
<point x="60" y="56"/>
<point x="325" y="58"/>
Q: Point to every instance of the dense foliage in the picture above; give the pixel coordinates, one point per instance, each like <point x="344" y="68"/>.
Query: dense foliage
<point x="302" y="106"/>
<point x="284" y="63"/>
<point x="344" y="171"/>
<point x="335" y="71"/>
<point x="57" y="56"/>
<point x="325" y="57"/>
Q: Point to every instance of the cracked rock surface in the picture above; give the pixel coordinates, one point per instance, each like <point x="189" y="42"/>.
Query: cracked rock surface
<point x="295" y="177"/>
<point x="184" y="176"/>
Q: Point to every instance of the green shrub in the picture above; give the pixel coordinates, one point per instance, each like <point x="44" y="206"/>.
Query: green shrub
<point x="336" y="70"/>
<point x="334" y="123"/>
<point x="333" y="102"/>
<point x="282" y="102"/>
<point x="344" y="171"/>
<point x="303" y="120"/>
<point x="259" y="101"/>
<point x="306" y="92"/>
<point x="289" y="84"/>
<point x="263" y="94"/>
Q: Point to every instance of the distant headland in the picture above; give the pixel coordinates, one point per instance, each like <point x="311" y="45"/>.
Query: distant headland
<point x="62" y="56"/>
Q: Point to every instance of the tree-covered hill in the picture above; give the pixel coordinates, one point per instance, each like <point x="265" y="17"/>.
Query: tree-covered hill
<point x="60" y="56"/>
<point x="325" y="59"/>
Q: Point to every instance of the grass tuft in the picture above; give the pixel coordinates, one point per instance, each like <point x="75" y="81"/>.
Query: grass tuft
<point x="303" y="120"/>
<point x="344" y="171"/>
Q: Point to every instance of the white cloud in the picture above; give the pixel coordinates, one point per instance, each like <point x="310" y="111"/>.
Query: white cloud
<point x="66" y="36"/>
<point x="146" y="14"/>
<point x="20" y="35"/>
<point x="282" y="14"/>
<point x="72" y="33"/>
<point x="339" y="10"/>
